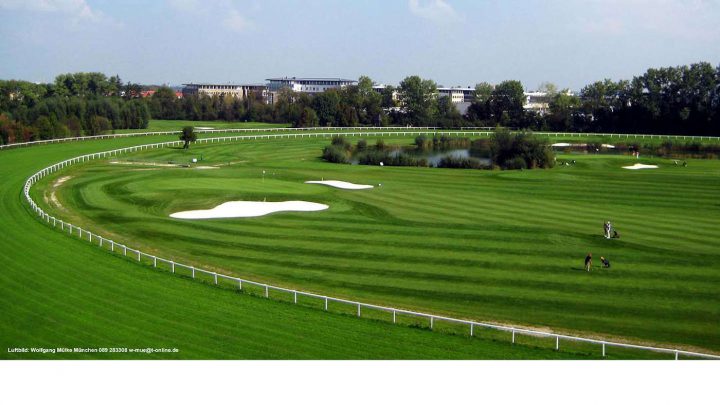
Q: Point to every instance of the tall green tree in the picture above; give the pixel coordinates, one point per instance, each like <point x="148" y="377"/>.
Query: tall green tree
<point x="506" y="103"/>
<point x="188" y="135"/>
<point x="419" y="99"/>
<point x="164" y="105"/>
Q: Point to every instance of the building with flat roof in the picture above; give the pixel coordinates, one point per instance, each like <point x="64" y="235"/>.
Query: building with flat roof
<point x="308" y="85"/>
<point x="241" y="91"/>
<point x="461" y="97"/>
<point x="457" y="94"/>
<point x="311" y="85"/>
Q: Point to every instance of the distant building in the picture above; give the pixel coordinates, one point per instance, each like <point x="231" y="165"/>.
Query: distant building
<point x="537" y="101"/>
<point x="305" y="85"/>
<point x="457" y="94"/>
<point x="241" y="91"/>
<point x="461" y="97"/>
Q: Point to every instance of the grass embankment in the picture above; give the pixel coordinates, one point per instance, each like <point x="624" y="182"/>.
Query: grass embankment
<point x="486" y="245"/>
<point x="177" y="125"/>
<point x="56" y="291"/>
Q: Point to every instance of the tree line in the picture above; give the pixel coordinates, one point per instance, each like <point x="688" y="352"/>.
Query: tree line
<point x="76" y="104"/>
<point x="671" y="100"/>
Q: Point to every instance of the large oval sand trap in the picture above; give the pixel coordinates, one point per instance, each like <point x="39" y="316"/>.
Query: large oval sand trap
<point x="246" y="209"/>
<point x="341" y="184"/>
<point x="638" y="166"/>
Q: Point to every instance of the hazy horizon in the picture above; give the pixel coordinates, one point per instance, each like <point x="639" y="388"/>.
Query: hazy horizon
<point x="454" y="43"/>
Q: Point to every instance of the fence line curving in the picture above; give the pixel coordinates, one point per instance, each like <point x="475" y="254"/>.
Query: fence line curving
<point x="173" y="266"/>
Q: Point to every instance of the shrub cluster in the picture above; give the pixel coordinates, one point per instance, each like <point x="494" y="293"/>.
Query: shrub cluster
<point x="520" y="151"/>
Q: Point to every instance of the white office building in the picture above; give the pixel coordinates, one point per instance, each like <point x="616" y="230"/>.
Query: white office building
<point x="235" y="90"/>
<point x="306" y="84"/>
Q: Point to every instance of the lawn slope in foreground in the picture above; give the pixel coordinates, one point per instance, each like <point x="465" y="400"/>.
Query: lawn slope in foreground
<point x="502" y="246"/>
<point x="56" y="291"/>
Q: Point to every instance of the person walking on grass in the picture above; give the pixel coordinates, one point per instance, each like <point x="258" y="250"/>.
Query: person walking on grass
<point x="588" y="262"/>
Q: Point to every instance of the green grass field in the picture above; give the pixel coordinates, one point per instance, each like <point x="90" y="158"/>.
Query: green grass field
<point x="486" y="245"/>
<point x="56" y="291"/>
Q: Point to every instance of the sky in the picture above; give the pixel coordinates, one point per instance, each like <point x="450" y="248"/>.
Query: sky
<point x="569" y="43"/>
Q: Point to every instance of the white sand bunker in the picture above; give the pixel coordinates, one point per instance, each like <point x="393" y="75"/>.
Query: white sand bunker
<point x="341" y="184"/>
<point x="638" y="166"/>
<point x="246" y="209"/>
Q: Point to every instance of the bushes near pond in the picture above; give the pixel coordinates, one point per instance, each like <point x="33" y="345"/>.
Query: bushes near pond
<point x="520" y="151"/>
<point x="339" y="151"/>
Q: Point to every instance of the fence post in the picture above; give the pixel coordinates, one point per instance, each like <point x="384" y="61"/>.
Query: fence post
<point x="431" y="322"/>
<point x="603" y="349"/>
<point x="326" y="303"/>
<point x="172" y="266"/>
<point x="240" y="284"/>
<point x="676" y="355"/>
<point x="193" y="271"/>
<point x="124" y="250"/>
<point x="358" y="309"/>
<point x="513" y="336"/>
<point x="154" y="261"/>
<point x="295" y="296"/>
<point x="215" y="274"/>
<point x="394" y="316"/>
<point x="471" y="329"/>
<point x="267" y="293"/>
<point x="112" y="246"/>
<point x="138" y="252"/>
<point x="557" y="343"/>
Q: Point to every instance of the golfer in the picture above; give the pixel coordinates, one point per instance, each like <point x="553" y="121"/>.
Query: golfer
<point x="588" y="262"/>
<point x="605" y="262"/>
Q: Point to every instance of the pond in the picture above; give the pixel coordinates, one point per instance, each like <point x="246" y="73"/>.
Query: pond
<point x="434" y="157"/>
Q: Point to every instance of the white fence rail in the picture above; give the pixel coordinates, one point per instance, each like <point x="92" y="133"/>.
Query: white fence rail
<point x="173" y="266"/>
<point x="464" y="130"/>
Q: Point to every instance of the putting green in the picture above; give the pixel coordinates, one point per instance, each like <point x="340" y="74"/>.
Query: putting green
<point x="485" y="245"/>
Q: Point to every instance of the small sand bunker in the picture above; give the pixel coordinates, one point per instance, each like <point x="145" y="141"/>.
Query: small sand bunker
<point x="341" y="184"/>
<point x="53" y="198"/>
<point x="638" y="166"/>
<point x="246" y="209"/>
<point x="61" y="180"/>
